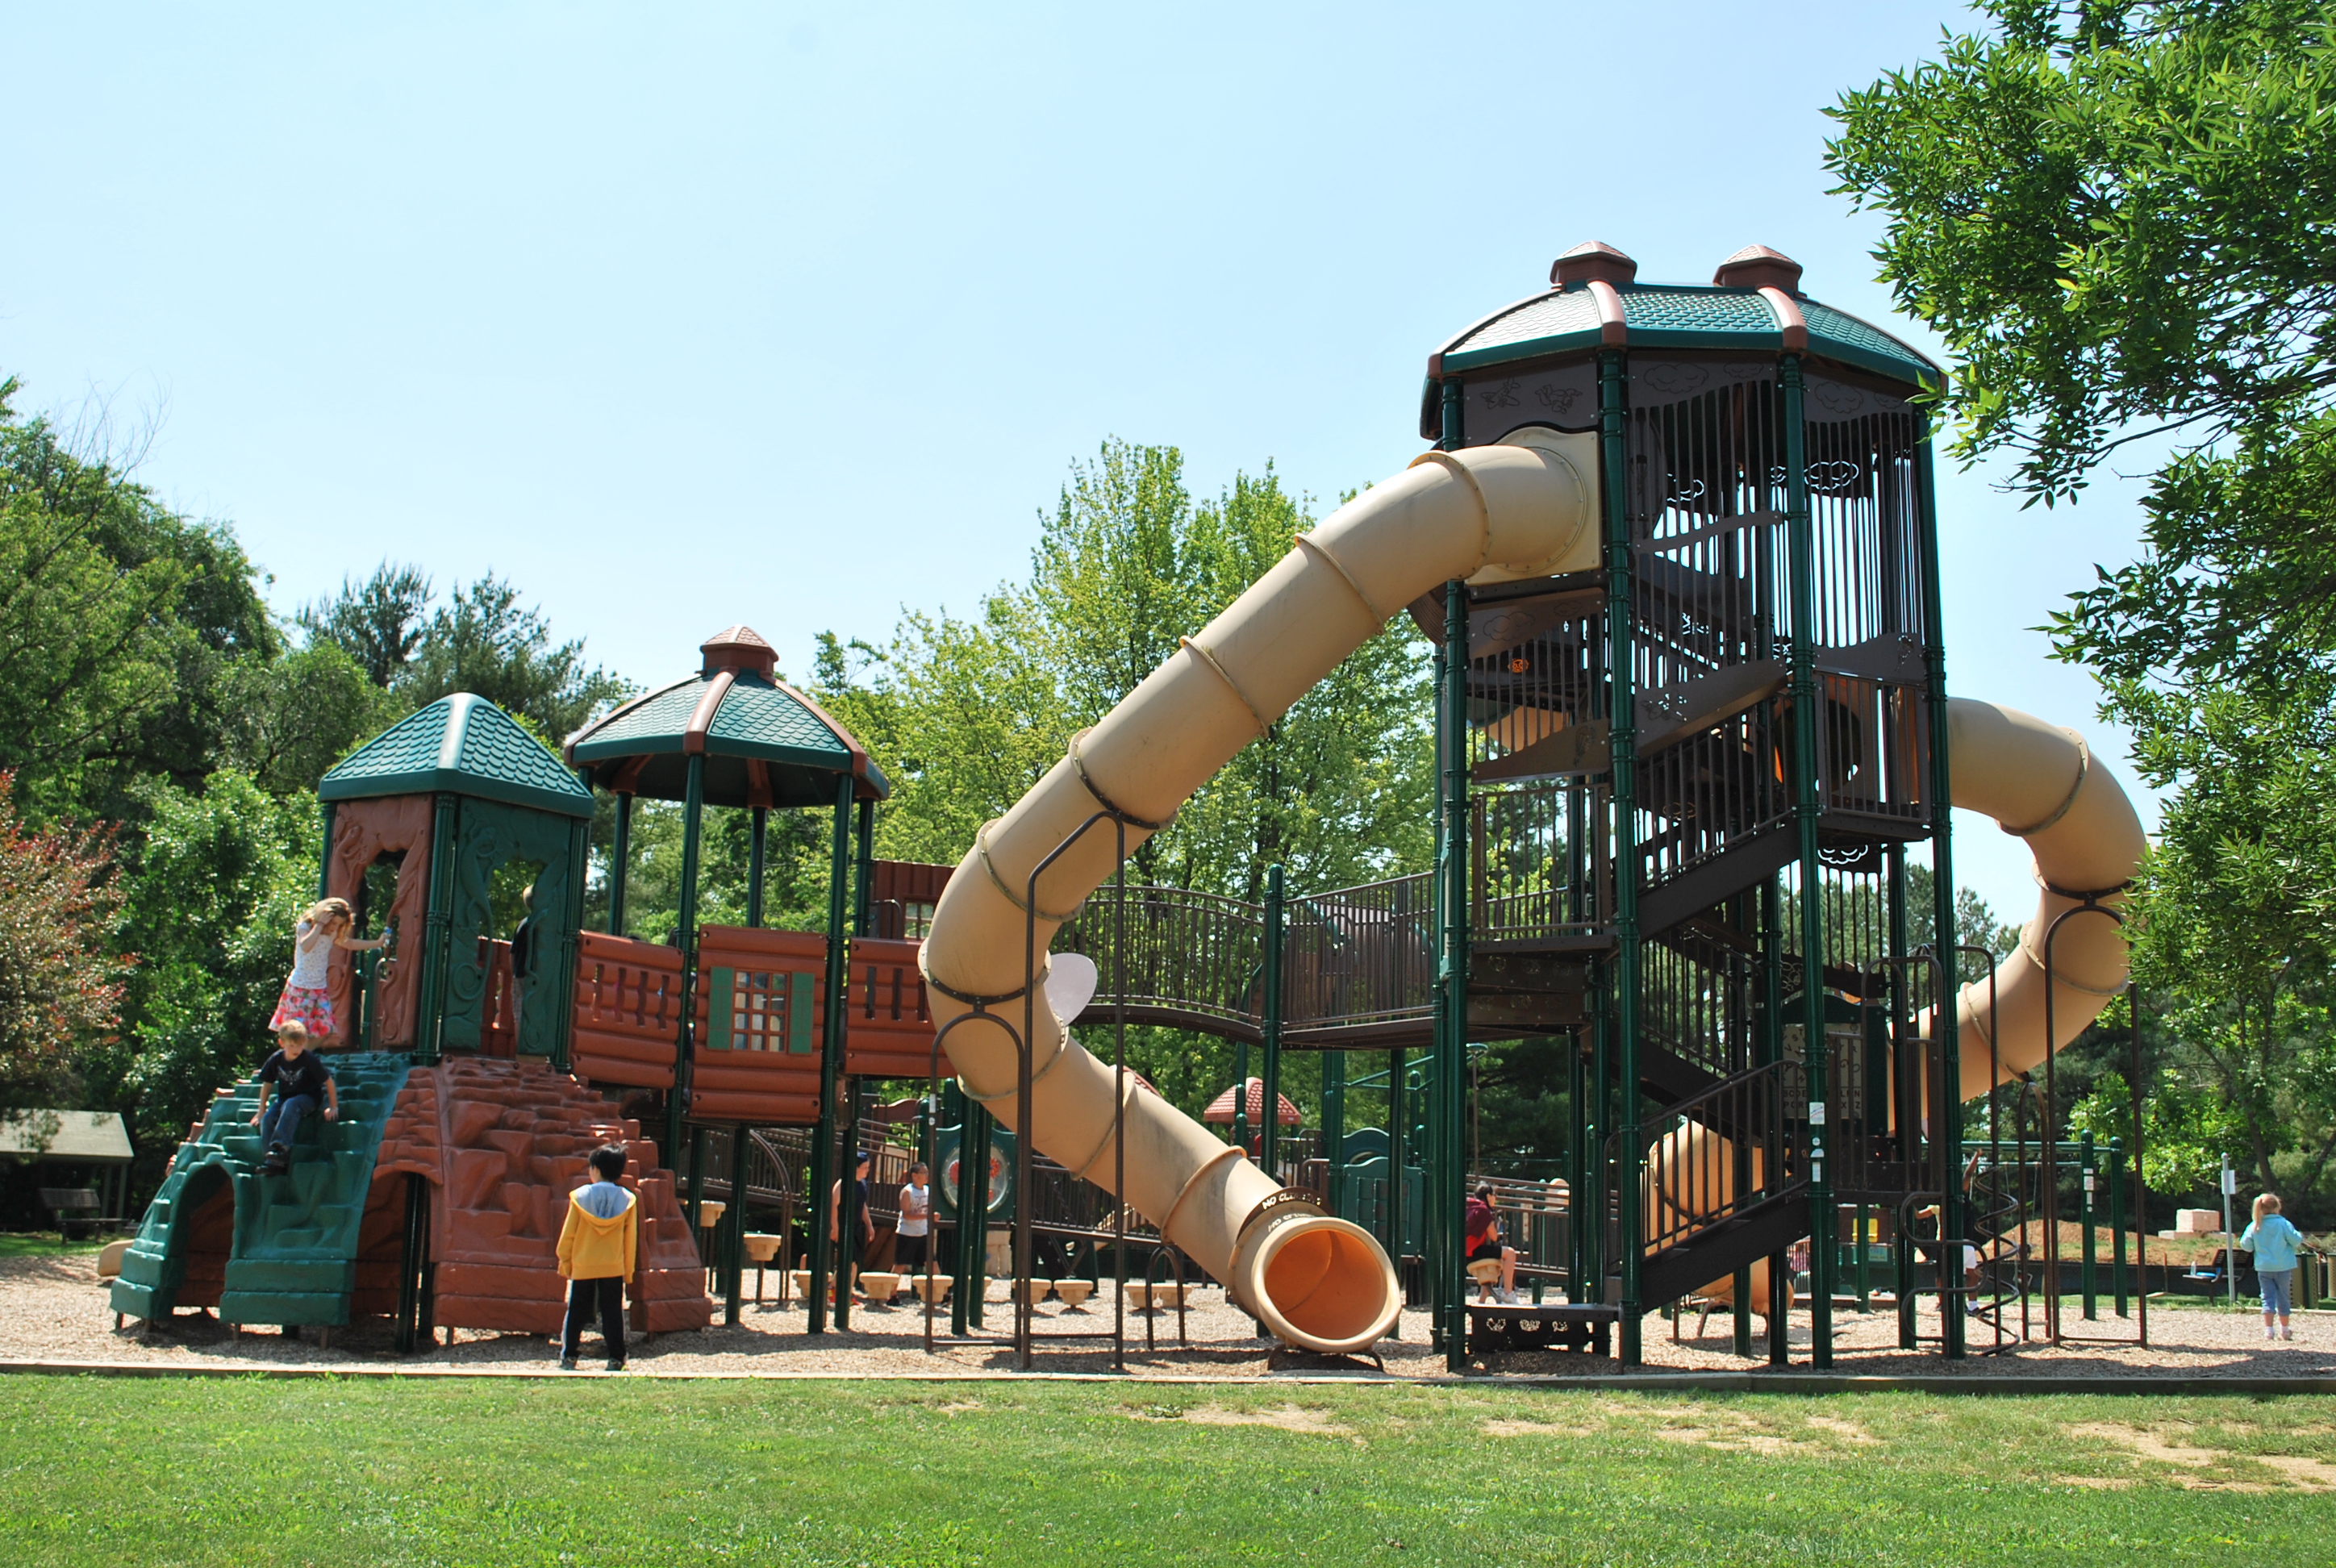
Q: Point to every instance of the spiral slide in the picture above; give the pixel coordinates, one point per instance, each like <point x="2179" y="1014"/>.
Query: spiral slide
<point x="1488" y="514"/>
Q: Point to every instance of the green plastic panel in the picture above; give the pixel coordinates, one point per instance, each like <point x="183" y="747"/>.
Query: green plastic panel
<point x="292" y="1257"/>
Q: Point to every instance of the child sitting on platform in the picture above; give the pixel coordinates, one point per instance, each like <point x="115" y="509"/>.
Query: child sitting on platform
<point x="300" y="1082"/>
<point x="598" y="1247"/>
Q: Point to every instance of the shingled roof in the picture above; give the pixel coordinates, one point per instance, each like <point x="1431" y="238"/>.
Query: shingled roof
<point x="765" y="743"/>
<point x="464" y="744"/>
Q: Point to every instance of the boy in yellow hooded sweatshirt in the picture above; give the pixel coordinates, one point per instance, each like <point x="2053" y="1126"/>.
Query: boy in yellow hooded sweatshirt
<point x="596" y="1249"/>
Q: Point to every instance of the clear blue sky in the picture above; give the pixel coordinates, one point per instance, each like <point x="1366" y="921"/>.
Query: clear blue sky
<point x="682" y="316"/>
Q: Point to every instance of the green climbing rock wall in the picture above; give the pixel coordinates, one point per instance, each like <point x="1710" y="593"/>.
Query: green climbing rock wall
<point x="294" y="1255"/>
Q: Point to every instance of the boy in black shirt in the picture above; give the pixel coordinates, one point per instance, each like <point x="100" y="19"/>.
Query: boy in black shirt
<point x="300" y="1082"/>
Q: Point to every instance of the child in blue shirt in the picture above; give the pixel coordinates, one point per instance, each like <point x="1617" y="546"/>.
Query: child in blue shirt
<point x="2275" y="1244"/>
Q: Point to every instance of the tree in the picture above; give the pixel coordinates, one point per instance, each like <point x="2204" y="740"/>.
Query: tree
<point x="118" y="623"/>
<point x="966" y="714"/>
<point x="60" y="974"/>
<point x="378" y="623"/>
<point x="482" y="641"/>
<point x="2119" y="217"/>
<point x="222" y="876"/>
<point x="284" y="721"/>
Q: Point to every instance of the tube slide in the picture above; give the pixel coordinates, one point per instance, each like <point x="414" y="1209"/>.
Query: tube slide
<point x="1491" y="513"/>
<point x="2041" y="785"/>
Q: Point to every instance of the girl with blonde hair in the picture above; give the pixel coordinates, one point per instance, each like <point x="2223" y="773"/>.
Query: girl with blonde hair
<point x="306" y="999"/>
<point x="2276" y="1244"/>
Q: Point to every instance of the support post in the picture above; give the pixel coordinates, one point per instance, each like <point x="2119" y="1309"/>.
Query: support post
<point x="2117" y="1222"/>
<point x="1334" y="1111"/>
<point x="2088" y="1282"/>
<point x="429" y="1021"/>
<point x="734" y="1232"/>
<point x="1622" y="597"/>
<point x="328" y="809"/>
<point x="1448" y="1098"/>
<point x="1768" y="1047"/>
<point x="1269" y="1134"/>
<point x="1953" y="1207"/>
<point x="685" y="937"/>
<point x="830" y="1054"/>
<point x="755" y="848"/>
<point x="1808" y="806"/>
<point x="1397" y="1114"/>
<point x="621" y="861"/>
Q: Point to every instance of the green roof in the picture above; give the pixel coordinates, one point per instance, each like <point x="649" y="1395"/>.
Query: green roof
<point x="1679" y="316"/>
<point x="461" y="744"/>
<point x="799" y="750"/>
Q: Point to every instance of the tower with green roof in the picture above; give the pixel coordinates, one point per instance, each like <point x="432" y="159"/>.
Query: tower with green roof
<point x="451" y="794"/>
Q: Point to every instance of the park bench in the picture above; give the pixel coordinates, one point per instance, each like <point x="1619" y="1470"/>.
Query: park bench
<point x="73" y="1206"/>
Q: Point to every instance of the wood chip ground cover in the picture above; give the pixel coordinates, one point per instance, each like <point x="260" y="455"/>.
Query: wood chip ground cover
<point x="165" y="1473"/>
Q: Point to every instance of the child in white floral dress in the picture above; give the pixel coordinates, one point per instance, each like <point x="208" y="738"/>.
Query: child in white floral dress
<point x="307" y="1000"/>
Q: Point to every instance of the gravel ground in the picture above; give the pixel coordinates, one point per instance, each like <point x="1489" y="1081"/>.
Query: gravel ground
<point x="54" y="1309"/>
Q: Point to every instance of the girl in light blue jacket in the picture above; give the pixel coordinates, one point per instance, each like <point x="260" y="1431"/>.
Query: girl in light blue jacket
<point x="2276" y="1245"/>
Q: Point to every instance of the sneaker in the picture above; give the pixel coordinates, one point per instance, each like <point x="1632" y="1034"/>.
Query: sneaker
<point x="568" y="1363"/>
<point x="1505" y="1298"/>
<point x="615" y="1367"/>
<point x="2287" y="1333"/>
<point x="2267" y="1332"/>
<point x="279" y="1160"/>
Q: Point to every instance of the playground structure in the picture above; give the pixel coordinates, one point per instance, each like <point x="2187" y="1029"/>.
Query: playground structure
<point x="1677" y="549"/>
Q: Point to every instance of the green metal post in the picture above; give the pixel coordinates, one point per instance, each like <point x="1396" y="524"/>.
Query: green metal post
<point x="430" y="1019"/>
<point x="761" y="822"/>
<point x="1577" y="1188"/>
<point x="1269" y="1135"/>
<point x="579" y="861"/>
<point x="1238" y="1132"/>
<point x="2088" y="1281"/>
<point x="685" y="937"/>
<point x="2117" y="1223"/>
<point x="1334" y="1108"/>
<point x="954" y="1103"/>
<point x="1449" y="1098"/>
<point x="621" y="861"/>
<point x="983" y="1124"/>
<point x="1396" y="1113"/>
<point x="1808" y="806"/>
<point x="1768" y="1047"/>
<point x="847" y="1227"/>
<point x="1599" y="1124"/>
<point x="1621" y="574"/>
<point x="697" y="1194"/>
<point x="1952" y="1308"/>
<point x="863" y="874"/>
<point x="329" y="810"/>
<point x="830" y="1054"/>
<point x="733" y="1232"/>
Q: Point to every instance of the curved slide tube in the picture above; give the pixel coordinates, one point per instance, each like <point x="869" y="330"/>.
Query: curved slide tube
<point x="1317" y="1282"/>
<point x="2040" y="783"/>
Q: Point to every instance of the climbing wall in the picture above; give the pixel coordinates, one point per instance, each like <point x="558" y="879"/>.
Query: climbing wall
<point x="264" y="1249"/>
<point x="504" y="1142"/>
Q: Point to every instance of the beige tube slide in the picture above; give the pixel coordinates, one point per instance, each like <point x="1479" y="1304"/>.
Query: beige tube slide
<point x="1490" y="512"/>
<point x="2040" y="783"/>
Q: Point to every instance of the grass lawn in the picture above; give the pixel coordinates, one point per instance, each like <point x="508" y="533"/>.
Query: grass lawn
<point x="605" y="1471"/>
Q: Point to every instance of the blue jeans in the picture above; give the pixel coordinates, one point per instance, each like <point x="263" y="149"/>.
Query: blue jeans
<point x="2278" y="1289"/>
<point x="280" y="1123"/>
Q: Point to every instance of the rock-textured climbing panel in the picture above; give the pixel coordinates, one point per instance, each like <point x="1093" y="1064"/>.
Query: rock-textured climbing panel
<point x="264" y="1249"/>
<point x="505" y="1142"/>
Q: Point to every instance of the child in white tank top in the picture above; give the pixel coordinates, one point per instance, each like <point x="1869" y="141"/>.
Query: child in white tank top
<point x="308" y="997"/>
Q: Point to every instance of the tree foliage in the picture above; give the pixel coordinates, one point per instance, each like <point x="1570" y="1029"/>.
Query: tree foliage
<point x="60" y="972"/>
<point x="2122" y="218"/>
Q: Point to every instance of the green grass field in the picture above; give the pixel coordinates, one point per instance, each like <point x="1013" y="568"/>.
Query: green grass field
<point x="44" y="1245"/>
<point x="606" y="1471"/>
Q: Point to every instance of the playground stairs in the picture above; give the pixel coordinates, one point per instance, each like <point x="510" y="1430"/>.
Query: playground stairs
<point x="500" y="1143"/>
<point x="262" y="1249"/>
<point x="503" y="1142"/>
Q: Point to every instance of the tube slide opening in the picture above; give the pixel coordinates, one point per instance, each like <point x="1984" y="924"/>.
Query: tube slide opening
<point x="1321" y="1284"/>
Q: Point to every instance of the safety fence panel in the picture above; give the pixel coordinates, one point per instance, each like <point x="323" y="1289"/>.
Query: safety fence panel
<point x="628" y="1024"/>
<point x="759" y="995"/>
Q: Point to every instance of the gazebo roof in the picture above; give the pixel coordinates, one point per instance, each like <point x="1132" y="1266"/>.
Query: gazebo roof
<point x="1220" y="1109"/>
<point x="464" y="744"/>
<point x="1595" y="301"/>
<point x="765" y="743"/>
